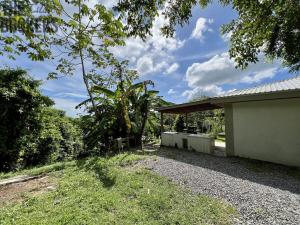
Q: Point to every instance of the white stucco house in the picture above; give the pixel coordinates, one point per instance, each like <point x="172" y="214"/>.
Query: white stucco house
<point x="262" y="122"/>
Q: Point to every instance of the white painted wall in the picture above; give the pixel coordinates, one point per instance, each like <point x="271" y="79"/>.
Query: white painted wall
<point x="196" y="142"/>
<point x="201" y="143"/>
<point x="268" y="130"/>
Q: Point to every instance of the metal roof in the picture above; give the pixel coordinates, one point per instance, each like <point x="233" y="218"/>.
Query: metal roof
<point x="289" y="88"/>
<point x="284" y="85"/>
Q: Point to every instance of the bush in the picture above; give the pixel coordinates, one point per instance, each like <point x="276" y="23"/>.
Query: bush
<point x="59" y="139"/>
<point x="31" y="132"/>
<point x="179" y="124"/>
<point x="21" y="104"/>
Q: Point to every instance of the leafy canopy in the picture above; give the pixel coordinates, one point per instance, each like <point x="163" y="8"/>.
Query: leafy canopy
<point x="75" y="34"/>
<point x="31" y="132"/>
<point x="124" y="108"/>
<point x="263" y="26"/>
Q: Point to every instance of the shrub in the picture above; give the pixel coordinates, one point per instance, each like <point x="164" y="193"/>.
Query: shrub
<point x="31" y="132"/>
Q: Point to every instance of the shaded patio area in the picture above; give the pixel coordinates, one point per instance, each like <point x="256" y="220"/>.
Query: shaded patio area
<point x="191" y="139"/>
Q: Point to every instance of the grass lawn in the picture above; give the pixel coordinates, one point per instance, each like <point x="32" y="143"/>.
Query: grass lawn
<point x="221" y="138"/>
<point x="114" y="191"/>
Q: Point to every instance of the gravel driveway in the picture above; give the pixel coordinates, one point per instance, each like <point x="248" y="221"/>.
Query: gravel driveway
<point x="269" y="196"/>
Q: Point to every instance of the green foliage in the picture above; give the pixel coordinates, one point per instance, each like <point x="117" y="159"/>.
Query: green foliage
<point x="179" y="124"/>
<point x="270" y="27"/>
<point x="82" y="35"/>
<point x="217" y="122"/>
<point x="123" y="109"/>
<point x="23" y="30"/>
<point x="59" y="139"/>
<point x="110" y="193"/>
<point x="31" y="132"/>
<point x="35" y="171"/>
<point x="21" y="105"/>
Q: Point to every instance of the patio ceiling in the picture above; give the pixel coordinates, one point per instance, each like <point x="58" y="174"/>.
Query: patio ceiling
<point x="189" y="107"/>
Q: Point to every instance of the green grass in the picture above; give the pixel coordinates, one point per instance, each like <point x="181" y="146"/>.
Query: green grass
<point x="39" y="170"/>
<point x="109" y="191"/>
<point x="122" y="159"/>
<point x="220" y="138"/>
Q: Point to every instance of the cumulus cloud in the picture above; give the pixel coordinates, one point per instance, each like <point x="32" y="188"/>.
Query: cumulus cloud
<point x="207" y="77"/>
<point x="202" y="26"/>
<point x="172" y="92"/>
<point x="155" y="54"/>
<point x="173" y="68"/>
<point x="146" y="65"/>
<point x="211" y="90"/>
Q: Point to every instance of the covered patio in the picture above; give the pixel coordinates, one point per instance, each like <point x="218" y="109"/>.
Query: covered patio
<point x="194" y="141"/>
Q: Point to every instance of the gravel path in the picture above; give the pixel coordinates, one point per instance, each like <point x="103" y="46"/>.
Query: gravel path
<point x="266" y="197"/>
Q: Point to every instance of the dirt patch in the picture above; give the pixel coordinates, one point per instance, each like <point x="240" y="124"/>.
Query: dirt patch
<point x="16" y="192"/>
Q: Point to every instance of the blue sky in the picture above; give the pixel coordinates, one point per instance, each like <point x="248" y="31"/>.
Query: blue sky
<point x="193" y="63"/>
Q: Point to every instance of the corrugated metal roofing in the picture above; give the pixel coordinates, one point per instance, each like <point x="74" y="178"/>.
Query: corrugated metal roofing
<point x="284" y="85"/>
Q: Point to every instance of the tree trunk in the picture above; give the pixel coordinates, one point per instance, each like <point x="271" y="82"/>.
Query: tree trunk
<point x="84" y="76"/>
<point x="86" y="82"/>
<point x="144" y="121"/>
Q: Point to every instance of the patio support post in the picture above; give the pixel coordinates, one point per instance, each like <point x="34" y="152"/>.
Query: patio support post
<point x="161" y="122"/>
<point x="186" y="121"/>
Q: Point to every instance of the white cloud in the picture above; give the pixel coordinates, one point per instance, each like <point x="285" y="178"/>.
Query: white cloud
<point x="155" y="54"/>
<point x="260" y="75"/>
<point x="207" y="77"/>
<point x="172" y="92"/>
<point x="107" y="3"/>
<point x="174" y="67"/>
<point x="68" y="105"/>
<point x="211" y="90"/>
<point x="72" y="95"/>
<point x="145" y="65"/>
<point x="226" y="37"/>
<point x="201" y="27"/>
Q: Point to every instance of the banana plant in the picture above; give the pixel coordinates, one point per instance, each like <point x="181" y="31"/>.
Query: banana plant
<point x="125" y="108"/>
<point x="143" y="102"/>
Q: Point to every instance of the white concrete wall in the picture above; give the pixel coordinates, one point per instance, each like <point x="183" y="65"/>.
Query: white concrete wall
<point x="196" y="142"/>
<point x="201" y="143"/>
<point x="268" y="130"/>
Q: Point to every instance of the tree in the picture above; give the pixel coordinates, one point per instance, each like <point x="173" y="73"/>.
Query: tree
<point x="143" y="102"/>
<point x="112" y="104"/>
<point x="21" y="105"/>
<point x="59" y="139"/>
<point x="72" y="38"/>
<point x="31" y="132"/>
<point x="85" y="36"/>
<point x="270" y="27"/>
<point x="25" y="29"/>
<point x="179" y="124"/>
<point x="124" y="108"/>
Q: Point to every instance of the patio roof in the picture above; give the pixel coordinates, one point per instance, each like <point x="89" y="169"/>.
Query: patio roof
<point x="284" y="89"/>
<point x="190" y="107"/>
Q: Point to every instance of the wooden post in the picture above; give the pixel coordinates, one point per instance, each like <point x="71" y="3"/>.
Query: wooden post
<point x="161" y="122"/>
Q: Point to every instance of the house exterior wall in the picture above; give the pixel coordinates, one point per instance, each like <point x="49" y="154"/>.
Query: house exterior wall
<point x="266" y="130"/>
<point x="229" y="130"/>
